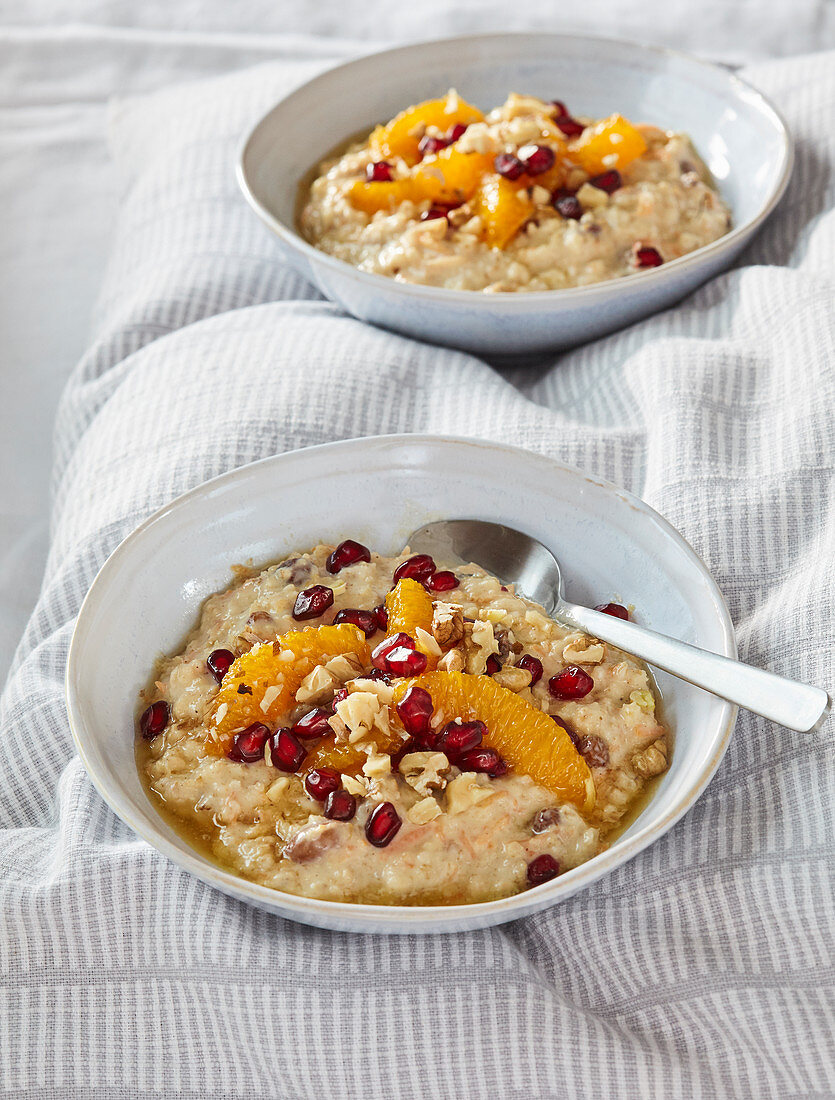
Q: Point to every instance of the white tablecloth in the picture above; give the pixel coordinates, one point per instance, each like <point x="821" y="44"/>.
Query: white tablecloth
<point x="704" y="967"/>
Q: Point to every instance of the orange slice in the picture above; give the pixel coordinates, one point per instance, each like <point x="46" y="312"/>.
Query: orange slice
<point x="344" y="758"/>
<point x="451" y="176"/>
<point x="527" y="738"/>
<point x="612" y="143"/>
<point x="377" y="195"/>
<point x="273" y="673"/>
<point x="503" y="209"/>
<point x="409" y="606"/>
<point x="400" y="137"/>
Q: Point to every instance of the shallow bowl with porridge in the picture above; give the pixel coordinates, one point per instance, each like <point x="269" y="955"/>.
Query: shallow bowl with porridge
<point x="357" y="728"/>
<point x="525" y="198"/>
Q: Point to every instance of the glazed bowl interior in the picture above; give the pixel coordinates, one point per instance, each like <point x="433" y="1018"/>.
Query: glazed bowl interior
<point x="148" y="595"/>
<point x="739" y="136"/>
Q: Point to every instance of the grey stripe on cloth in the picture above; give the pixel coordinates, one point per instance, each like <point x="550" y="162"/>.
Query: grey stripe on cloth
<point x="704" y="968"/>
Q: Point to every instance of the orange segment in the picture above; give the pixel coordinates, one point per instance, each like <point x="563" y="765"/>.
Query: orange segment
<point x="344" y="758"/>
<point x="409" y="606"/>
<point x="371" y="197"/>
<point x="274" y="672"/>
<point x="612" y="143"/>
<point x="451" y="176"/>
<point x="503" y="209"/>
<point x="401" y="136"/>
<point x="526" y="737"/>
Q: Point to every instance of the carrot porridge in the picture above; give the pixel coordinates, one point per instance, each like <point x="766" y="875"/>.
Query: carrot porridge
<point x="359" y="728"/>
<point x="527" y="197"/>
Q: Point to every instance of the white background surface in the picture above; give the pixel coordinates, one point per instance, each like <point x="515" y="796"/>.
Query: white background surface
<point x="59" y="66"/>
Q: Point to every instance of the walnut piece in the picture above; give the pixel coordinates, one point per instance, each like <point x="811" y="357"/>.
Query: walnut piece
<point x="515" y="679"/>
<point x="452" y="661"/>
<point x="652" y="760"/>
<point x="425" y="771"/>
<point x="465" y="791"/>
<point x="424" y="811"/>
<point x="345" y="667"/>
<point x="447" y="624"/>
<point x="583" y="650"/>
<point x="317" y="686"/>
<point x="358" y="712"/>
<point x="480" y="644"/>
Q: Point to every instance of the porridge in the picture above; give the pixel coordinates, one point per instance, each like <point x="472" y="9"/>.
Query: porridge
<point x="525" y="198"/>
<point x="358" y="728"/>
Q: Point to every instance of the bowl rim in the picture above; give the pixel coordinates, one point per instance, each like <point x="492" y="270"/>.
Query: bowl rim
<point x="397" y="918"/>
<point x="509" y="303"/>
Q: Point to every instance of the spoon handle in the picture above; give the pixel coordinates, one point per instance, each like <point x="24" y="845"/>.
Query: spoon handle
<point x="797" y="706"/>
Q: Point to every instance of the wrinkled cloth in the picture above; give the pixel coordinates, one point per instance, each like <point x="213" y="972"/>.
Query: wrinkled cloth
<point x="703" y="968"/>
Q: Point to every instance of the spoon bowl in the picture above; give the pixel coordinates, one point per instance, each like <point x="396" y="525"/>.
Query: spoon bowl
<point x="518" y="559"/>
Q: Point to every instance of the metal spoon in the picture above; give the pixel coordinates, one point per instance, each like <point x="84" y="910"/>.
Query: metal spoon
<point x="517" y="558"/>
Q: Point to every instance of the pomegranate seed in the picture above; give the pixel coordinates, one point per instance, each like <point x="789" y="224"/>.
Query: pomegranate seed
<point x="571" y="683"/>
<point x="340" y="806"/>
<point x="382" y="616"/>
<point x="459" y="738"/>
<point x="313" y="725"/>
<point x="405" y="662"/>
<point x="509" y="166"/>
<point x="533" y="665"/>
<point x="434" y="212"/>
<point x="536" y="159"/>
<point x="378" y="172"/>
<point x="616" y="609"/>
<point x="415" y="709"/>
<point x="313" y="602"/>
<point x="494" y="665"/>
<point x="379" y="674"/>
<point x="365" y="620"/>
<point x="569" y="206"/>
<point x="429" y="146"/>
<point x="483" y="759"/>
<point x="340" y="696"/>
<point x="321" y="782"/>
<point x="383" y="825"/>
<point x="219" y="661"/>
<point x="455" y="132"/>
<point x="607" y="181"/>
<point x="347" y="553"/>
<point x="442" y="581"/>
<point x="594" y="751"/>
<point x="393" y="641"/>
<point x="560" y="109"/>
<point x="419" y="567"/>
<point x="542" y="869"/>
<point x="648" y="257"/>
<point x="286" y="750"/>
<point x="569" y="126"/>
<point x="248" y="745"/>
<point x="154" y="719"/>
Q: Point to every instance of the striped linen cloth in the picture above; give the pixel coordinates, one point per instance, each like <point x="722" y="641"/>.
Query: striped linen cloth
<point x="703" y="968"/>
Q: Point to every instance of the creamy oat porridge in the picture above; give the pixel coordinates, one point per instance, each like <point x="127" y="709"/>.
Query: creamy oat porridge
<point x="524" y="198"/>
<point x="359" y="728"/>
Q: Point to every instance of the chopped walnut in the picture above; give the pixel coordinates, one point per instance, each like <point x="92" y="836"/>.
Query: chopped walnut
<point x="580" y="649"/>
<point x="480" y="644"/>
<point x="424" y="811"/>
<point x="515" y="679"/>
<point x="317" y="686"/>
<point x="357" y="787"/>
<point x="424" y="771"/>
<point x="465" y="791"/>
<point x="277" y="790"/>
<point x="452" y="661"/>
<point x="345" y="667"/>
<point x="447" y="623"/>
<point x="358" y="712"/>
<point x="383" y="691"/>
<point x="652" y="760"/>
<point x="591" y="196"/>
<point x="377" y="766"/>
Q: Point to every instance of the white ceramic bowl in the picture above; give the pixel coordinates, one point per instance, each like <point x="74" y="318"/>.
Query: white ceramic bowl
<point x="611" y="545"/>
<point x="740" y="135"/>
